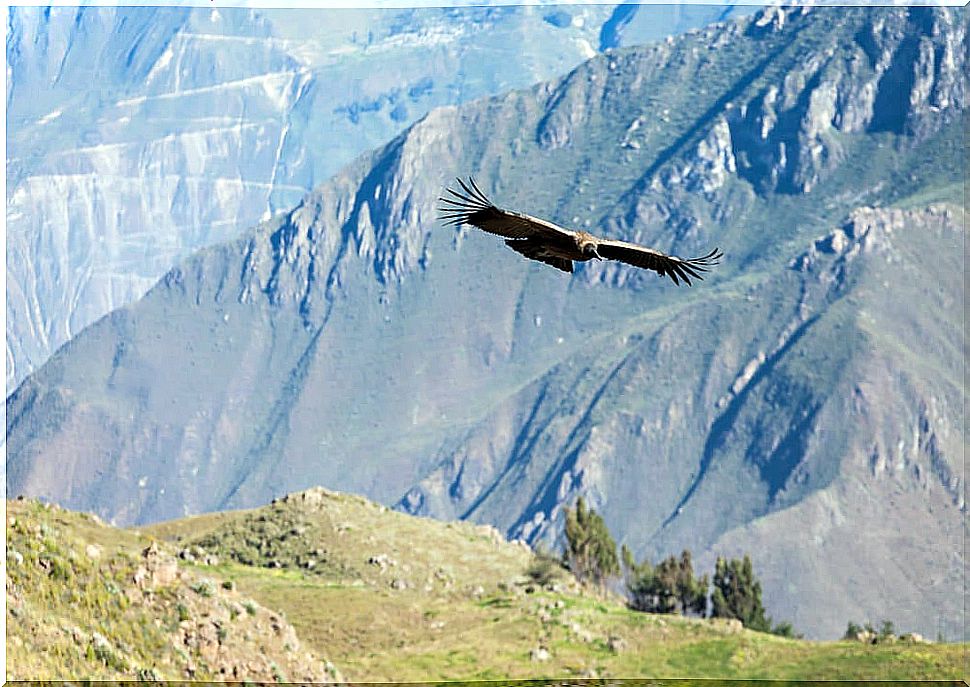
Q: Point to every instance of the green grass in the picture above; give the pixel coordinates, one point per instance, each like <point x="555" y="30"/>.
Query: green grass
<point x="75" y="610"/>
<point x="373" y="632"/>
<point x="376" y="633"/>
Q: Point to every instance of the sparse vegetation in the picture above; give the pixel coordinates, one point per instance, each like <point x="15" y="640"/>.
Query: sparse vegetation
<point x="544" y="568"/>
<point x="370" y="631"/>
<point x="86" y="600"/>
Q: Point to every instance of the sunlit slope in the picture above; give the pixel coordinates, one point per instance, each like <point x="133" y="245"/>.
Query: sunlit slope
<point x="383" y="595"/>
<point x="89" y="601"/>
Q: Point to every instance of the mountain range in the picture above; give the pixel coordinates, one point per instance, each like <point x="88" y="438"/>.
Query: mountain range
<point x="137" y="135"/>
<point x="803" y="404"/>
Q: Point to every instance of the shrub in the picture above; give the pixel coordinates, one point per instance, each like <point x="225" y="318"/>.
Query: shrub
<point x="784" y="629"/>
<point x="204" y="588"/>
<point x="852" y="631"/>
<point x="543" y="568"/>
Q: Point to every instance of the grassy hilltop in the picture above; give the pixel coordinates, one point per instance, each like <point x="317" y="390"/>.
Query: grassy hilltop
<point x="278" y="592"/>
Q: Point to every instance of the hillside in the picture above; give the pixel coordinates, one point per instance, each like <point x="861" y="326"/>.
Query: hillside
<point x="85" y="600"/>
<point x="385" y="596"/>
<point x="137" y="135"/>
<point x="802" y="404"/>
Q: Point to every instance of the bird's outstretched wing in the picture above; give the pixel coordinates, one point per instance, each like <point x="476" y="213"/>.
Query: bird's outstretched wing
<point x="474" y="208"/>
<point x="647" y="258"/>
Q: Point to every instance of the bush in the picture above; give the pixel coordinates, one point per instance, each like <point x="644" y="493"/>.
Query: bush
<point x="544" y="567"/>
<point x="852" y="631"/>
<point x="887" y="629"/>
<point x="785" y="629"/>
<point x="204" y="588"/>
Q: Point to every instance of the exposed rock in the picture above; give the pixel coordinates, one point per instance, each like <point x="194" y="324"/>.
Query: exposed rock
<point x="539" y="654"/>
<point x="616" y="644"/>
<point x="582" y="634"/>
<point x="158" y="570"/>
<point x="382" y="561"/>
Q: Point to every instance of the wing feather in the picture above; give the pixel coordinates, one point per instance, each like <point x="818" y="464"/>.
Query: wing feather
<point x="678" y="269"/>
<point x="474" y="208"/>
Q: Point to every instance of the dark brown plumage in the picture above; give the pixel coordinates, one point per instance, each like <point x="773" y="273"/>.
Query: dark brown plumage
<point x="546" y="242"/>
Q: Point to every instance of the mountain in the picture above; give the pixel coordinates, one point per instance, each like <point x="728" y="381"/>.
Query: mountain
<point x="263" y="594"/>
<point x="138" y="134"/>
<point x="803" y="403"/>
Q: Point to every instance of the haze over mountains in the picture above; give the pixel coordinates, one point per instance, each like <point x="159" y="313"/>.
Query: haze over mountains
<point x="802" y="404"/>
<point x="139" y="134"/>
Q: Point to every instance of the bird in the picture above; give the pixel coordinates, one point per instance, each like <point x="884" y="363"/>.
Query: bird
<point x="538" y="239"/>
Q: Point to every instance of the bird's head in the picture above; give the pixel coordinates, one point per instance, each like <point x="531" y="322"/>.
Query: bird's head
<point x="591" y="251"/>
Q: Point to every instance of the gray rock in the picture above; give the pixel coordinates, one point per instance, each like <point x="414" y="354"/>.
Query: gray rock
<point x="539" y="654"/>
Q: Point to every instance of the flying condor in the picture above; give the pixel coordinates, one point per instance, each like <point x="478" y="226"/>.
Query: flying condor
<point x="546" y="242"/>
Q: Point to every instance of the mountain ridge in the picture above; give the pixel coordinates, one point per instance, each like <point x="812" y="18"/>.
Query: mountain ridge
<point x="205" y="120"/>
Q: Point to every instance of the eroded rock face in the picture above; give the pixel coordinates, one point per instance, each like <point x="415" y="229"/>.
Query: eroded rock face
<point x="905" y="69"/>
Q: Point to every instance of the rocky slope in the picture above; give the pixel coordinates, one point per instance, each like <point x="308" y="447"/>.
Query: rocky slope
<point x="803" y="399"/>
<point x="137" y="135"/>
<point x="88" y="601"/>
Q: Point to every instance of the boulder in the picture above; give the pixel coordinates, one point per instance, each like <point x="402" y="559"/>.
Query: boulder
<point x="539" y="654"/>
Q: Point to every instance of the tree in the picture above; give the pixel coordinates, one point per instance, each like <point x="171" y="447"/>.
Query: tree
<point x="628" y="562"/>
<point x="737" y="594"/>
<point x="887" y="630"/>
<point x="668" y="588"/>
<point x="852" y="631"/>
<point x="691" y="593"/>
<point x="590" y="549"/>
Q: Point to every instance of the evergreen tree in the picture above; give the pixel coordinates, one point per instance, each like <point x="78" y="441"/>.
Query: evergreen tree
<point x="737" y="594"/>
<point x="590" y="548"/>
<point x="627" y="561"/>
<point x="691" y="593"/>
<point x="668" y="588"/>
